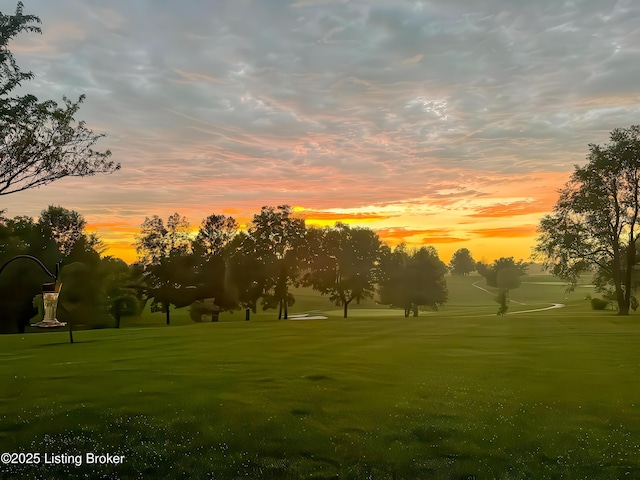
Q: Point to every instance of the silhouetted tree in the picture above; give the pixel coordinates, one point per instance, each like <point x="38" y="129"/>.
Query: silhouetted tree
<point x="215" y="233"/>
<point x="212" y="282"/>
<point x="490" y="272"/>
<point x="84" y="251"/>
<point x="164" y="255"/>
<point x="279" y="241"/>
<point x="342" y="263"/>
<point x="507" y="278"/>
<point x="249" y="276"/>
<point x="68" y="227"/>
<point x="39" y="141"/>
<point x="411" y="279"/>
<point x="462" y="263"/>
<point x="119" y="289"/>
<point x="211" y="259"/>
<point x="594" y="221"/>
<point x="79" y="301"/>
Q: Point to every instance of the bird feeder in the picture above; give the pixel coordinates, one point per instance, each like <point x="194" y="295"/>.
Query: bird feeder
<point x="50" y="293"/>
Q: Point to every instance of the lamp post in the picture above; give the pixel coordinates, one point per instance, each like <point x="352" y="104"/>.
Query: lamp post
<point x="50" y="292"/>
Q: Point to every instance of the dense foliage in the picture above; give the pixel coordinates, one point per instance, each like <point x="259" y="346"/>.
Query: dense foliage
<point x="462" y="263"/>
<point x="410" y="279"/>
<point x="342" y="263"/>
<point x="40" y="142"/>
<point x="490" y="271"/>
<point x="278" y="242"/>
<point x="594" y="222"/>
<point x="94" y="287"/>
<point x="214" y="269"/>
<point x="165" y="261"/>
<point x="222" y="269"/>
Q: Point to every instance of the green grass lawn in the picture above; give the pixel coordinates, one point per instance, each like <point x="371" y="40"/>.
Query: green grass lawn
<point x="459" y="393"/>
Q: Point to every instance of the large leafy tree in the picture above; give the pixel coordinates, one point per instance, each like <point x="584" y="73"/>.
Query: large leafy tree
<point x="40" y="142"/>
<point x="490" y="271"/>
<point x="279" y="240"/>
<point x="507" y="278"/>
<point x="462" y="263"/>
<point x="118" y="285"/>
<point x="594" y="221"/>
<point x="212" y="251"/>
<point x="248" y="276"/>
<point x="343" y="262"/>
<point x="164" y="256"/>
<point x="67" y="228"/>
<point x="215" y="234"/>
<point x="410" y="279"/>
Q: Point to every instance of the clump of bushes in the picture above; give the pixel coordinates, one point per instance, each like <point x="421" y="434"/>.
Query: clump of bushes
<point x="599" y="303"/>
<point x="126" y="305"/>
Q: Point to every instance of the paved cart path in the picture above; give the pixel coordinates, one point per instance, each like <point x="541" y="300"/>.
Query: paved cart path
<point x="553" y="305"/>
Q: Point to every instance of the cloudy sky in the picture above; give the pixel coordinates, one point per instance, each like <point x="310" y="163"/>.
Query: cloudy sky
<point x="449" y="123"/>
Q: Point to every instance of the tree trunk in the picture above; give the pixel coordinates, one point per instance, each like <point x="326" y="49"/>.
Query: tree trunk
<point x="407" y="309"/>
<point x="280" y="310"/>
<point x="346" y="303"/>
<point x="415" y="309"/>
<point x="630" y="260"/>
<point x="623" y="308"/>
<point x="617" y="282"/>
<point x="286" y="310"/>
<point x="166" y="309"/>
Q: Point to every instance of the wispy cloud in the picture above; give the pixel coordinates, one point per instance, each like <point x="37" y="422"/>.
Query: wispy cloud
<point x="398" y="235"/>
<point x="475" y="109"/>
<point x="513" y="209"/>
<point x="506" y="232"/>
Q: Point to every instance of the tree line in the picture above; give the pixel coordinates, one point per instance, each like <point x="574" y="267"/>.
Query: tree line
<point x="230" y="268"/>
<point x="259" y="267"/>
<point x="219" y="267"/>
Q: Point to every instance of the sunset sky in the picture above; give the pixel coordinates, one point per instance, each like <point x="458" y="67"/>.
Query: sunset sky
<point x="449" y="123"/>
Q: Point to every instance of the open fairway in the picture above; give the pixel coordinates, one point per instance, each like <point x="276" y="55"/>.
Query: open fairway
<point x="451" y="394"/>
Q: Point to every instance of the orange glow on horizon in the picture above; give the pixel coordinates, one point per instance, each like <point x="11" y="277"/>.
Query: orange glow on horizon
<point x="488" y="244"/>
<point x="319" y="218"/>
